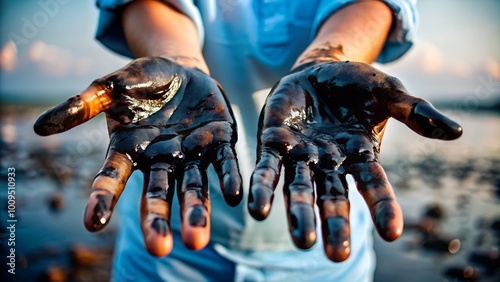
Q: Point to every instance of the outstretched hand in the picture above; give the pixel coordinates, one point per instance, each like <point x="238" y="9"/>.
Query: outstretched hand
<point x="170" y="122"/>
<point x="323" y="123"/>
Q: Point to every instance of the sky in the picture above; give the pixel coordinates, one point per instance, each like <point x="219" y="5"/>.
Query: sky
<point x="48" y="50"/>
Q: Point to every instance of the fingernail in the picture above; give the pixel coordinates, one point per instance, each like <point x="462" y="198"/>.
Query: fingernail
<point x="101" y="212"/>
<point x="197" y="217"/>
<point x="60" y="118"/>
<point x="338" y="235"/>
<point x="160" y="225"/>
<point x="302" y="226"/>
<point x="259" y="204"/>
<point x="388" y="220"/>
<point x="433" y="124"/>
<point x="232" y="190"/>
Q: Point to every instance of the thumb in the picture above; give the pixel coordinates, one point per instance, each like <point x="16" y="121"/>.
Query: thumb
<point x="74" y="111"/>
<point x="424" y="119"/>
<point x="429" y="122"/>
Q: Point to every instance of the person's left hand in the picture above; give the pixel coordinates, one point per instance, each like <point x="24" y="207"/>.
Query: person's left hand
<point x="325" y="122"/>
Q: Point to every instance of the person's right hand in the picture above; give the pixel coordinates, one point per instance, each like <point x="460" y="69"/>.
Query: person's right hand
<point x="168" y="121"/>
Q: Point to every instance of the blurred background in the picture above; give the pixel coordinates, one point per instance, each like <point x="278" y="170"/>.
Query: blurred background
<point x="449" y="191"/>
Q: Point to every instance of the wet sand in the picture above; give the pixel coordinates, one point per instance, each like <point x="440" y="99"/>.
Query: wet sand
<point x="449" y="191"/>
<point x="450" y="195"/>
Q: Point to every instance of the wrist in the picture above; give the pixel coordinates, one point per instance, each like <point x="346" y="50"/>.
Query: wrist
<point x="189" y="61"/>
<point x="322" y="53"/>
<point x="155" y="29"/>
<point x="188" y="58"/>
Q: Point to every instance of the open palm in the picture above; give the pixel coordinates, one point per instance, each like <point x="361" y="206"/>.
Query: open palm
<point x="323" y="123"/>
<point x="170" y="122"/>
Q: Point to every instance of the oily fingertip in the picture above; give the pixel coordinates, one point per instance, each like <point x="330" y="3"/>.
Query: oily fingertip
<point x="302" y="225"/>
<point x="98" y="210"/>
<point x="41" y="126"/>
<point x="195" y="238"/>
<point x="388" y="219"/>
<point x="195" y="231"/>
<point x="259" y="202"/>
<point x="157" y="237"/>
<point x="61" y="117"/>
<point x="336" y="236"/>
<point x="233" y="190"/>
<point x="337" y="254"/>
<point x="429" y="122"/>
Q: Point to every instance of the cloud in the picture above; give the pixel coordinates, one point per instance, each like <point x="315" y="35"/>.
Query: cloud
<point x="51" y="59"/>
<point x="431" y="58"/>
<point x="8" y="56"/>
<point x="492" y="68"/>
<point x="430" y="70"/>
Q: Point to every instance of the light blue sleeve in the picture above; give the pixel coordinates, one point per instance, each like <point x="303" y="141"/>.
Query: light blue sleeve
<point x="401" y="35"/>
<point x="110" y="30"/>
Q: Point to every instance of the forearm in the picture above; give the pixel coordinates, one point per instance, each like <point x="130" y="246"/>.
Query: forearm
<point x="155" y="29"/>
<point x="356" y="33"/>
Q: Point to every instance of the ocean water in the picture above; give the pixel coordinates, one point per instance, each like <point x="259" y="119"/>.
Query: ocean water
<point x="449" y="192"/>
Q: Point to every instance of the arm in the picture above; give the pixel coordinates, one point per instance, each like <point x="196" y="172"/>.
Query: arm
<point x="339" y="37"/>
<point x="163" y="32"/>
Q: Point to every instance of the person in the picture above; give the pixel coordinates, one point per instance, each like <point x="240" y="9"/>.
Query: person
<point x="324" y="119"/>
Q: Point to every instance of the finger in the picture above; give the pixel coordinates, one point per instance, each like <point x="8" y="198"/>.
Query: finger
<point x="226" y="166"/>
<point x="155" y="209"/>
<point x="373" y="184"/>
<point x="429" y="122"/>
<point x="262" y="184"/>
<point x="332" y="200"/>
<point x="275" y="143"/>
<point x="195" y="207"/>
<point x="106" y="189"/>
<point x="74" y="111"/>
<point x="334" y="210"/>
<point x="424" y="119"/>
<point x="299" y="199"/>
